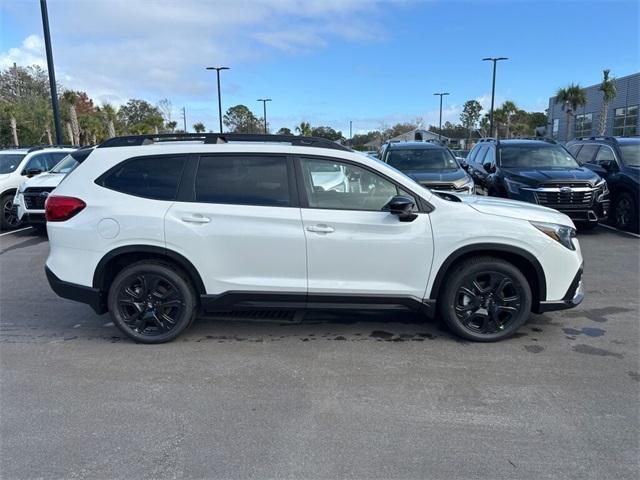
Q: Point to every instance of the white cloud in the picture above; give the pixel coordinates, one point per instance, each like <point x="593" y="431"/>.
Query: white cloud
<point x="29" y="53"/>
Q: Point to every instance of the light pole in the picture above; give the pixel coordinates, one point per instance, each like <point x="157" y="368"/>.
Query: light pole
<point x="495" y="60"/>
<point x="217" y="69"/>
<point x="264" y="110"/>
<point x="440" y="127"/>
<point x="52" y="73"/>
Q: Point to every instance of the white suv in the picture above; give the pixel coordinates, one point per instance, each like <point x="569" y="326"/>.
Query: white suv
<point x="16" y="165"/>
<point x="154" y="229"/>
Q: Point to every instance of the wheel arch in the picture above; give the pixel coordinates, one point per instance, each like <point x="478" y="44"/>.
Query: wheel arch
<point x="114" y="261"/>
<point x="523" y="260"/>
<point x="9" y="191"/>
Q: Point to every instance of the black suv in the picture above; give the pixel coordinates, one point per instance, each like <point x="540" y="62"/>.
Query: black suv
<point x="432" y="165"/>
<point x="617" y="159"/>
<point x="542" y="172"/>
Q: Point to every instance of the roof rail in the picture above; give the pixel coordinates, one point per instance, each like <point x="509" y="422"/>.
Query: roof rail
<point x="213" y="138"/>
<point x="596" y="137"/>
<point x="41" y="147"/>
<point x="488" y="139"/>
<point x="540" y="139"/>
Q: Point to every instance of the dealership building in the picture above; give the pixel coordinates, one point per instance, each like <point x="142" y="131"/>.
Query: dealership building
<point x="622" y="117"/>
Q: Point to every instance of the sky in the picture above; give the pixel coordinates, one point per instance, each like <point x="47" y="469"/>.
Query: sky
<point x="327" y="62"/>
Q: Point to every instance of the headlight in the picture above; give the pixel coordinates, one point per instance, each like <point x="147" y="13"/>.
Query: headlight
<point x="464" y="183"/>
<point x="602" y="183"/>
<point x="514" y="187"/>
<point x="560" y="233"/>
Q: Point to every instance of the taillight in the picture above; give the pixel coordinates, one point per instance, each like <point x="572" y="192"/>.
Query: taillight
<point x="59" y="209"/>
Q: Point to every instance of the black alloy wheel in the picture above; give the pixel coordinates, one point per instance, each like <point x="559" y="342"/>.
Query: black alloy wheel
<point x="624" y="212"/>
<point x="485" y="299"/>
<point x="151" y="302"/>
<point x="9" y="215"/>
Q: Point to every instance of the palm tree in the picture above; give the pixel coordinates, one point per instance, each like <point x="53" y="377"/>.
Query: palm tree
<point x="304" y="129"/>
<point x="608" y="89"/>
<point x="509" y="108"/>
<point x="199" y="127"/>
<point x="571" y="97"/>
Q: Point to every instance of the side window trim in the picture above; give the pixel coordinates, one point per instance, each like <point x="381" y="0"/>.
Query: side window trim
<point x="613" y="153"/>
<point x="423" y="205"/>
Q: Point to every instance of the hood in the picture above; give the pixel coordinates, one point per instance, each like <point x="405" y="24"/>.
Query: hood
<point x="437" y="176"/>
<point x="535" y="176"/>
<point x="44" y="180"/>
<point x="516" y="209"/>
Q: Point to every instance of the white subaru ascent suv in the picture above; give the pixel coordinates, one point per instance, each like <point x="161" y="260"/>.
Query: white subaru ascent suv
<point x="154" y="229"/>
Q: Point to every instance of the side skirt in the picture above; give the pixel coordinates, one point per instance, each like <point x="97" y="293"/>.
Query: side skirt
<point x="242" y="300"/>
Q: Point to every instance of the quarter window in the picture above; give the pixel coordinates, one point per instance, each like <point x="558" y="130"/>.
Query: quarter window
<point x="149" y="177"/>
<point x="243" y="180"/>
<point x="625" y="121"/>
<point x="342" y="186"/>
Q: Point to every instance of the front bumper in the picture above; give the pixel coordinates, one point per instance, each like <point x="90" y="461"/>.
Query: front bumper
<point x="573" y="297"/>
<point x="79" y="293"/>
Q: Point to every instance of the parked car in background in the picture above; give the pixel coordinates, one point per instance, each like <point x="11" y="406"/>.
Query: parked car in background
<point x="617" y="160"/>
<point x="32" y="194"/>
<point x="541" y="172"/>
<point x="432" y="165"/>
<point x="16" y="165"/>
<point x="154" y="229"/>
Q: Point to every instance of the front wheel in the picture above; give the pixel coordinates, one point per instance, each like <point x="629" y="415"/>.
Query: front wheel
<point x="625" y="212"/>
<point x="152" y="302"/>
<point x="8" y="215"/>
<point x="485" y="299"/>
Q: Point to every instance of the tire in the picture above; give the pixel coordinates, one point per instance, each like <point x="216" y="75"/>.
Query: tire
<point x="152" y="302"/>
<point x="625" y="212"/>
<point x="8" y="218"/>
<point x="482" y="311"/>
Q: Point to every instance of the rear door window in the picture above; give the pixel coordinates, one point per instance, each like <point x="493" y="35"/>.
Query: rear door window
<point x="260" y="180"/>
<point x="155" y="177"/>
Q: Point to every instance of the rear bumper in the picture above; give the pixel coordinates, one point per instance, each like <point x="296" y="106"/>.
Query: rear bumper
<point x="79" y="293"/>
<point x="573" y="297"/>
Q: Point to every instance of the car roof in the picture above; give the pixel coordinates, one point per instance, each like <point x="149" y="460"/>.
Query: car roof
<point x="522" y="141"/>
<point x="14" y="150"/>
<point x="413" y="145"/>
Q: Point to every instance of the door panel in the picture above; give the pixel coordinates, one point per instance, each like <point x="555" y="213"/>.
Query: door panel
<point x="240" y="247"/>
<point x="369" y="253"/>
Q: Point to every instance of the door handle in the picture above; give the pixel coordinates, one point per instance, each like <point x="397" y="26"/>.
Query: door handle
<point x="321" y="228"/>
<point x="195" y="219"/>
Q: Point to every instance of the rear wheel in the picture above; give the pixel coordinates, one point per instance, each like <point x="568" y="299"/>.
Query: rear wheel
<point x="152" y="302"/>
<point x="8" y="215"/>
<point x="485" y="299"/>
<point x="625" y="212"/>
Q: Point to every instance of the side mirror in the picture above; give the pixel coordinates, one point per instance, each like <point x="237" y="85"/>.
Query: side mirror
<point x="609" y="165"/>
<point x="402" y="207"/>
<point x="463" y="163"/>
<point x="32" y="172"/>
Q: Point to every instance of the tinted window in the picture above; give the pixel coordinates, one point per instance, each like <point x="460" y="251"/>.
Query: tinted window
<point x="573" y="149"/>
<point x="342" y="186"/>
<point x="631" y="154"/>
<point x="536" y="156"/>
<point x="54" y="157"/>
<point x="473" y="153"/>
<point x="489" y="159"/>
<point x="65" y="165"/>
<point x="586" y="154"/>
<point x="149" y="177"/>
<point x="38" y="162"/>
<point x="480" y="155"/>
<point x="605" y="154"/>
<point x="10" y="161"/>
<point x="256" y="180"/>
<point x="406" y="159"/>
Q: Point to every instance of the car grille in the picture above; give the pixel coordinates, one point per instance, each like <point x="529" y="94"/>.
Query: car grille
<point x="550" y="195"/>
<point x="447" y="187"/>
<point x="34" y="197"/>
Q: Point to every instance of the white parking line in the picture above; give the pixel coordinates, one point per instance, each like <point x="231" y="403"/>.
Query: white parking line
<point x="15" y="231"/>
<point x="621" y="231"/>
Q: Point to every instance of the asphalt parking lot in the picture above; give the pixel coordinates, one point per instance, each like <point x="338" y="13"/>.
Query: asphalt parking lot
<point x="336" y="396"/>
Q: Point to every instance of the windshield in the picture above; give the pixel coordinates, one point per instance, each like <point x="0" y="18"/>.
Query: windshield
<point x="65" y="165"/>
<point x="631" y="154"/>
<point x="422" y="159"/>
<point x="10" y="161"/>
<point x="536" y="156"/>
